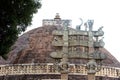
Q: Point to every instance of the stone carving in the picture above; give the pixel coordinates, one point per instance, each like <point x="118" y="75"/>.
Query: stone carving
<point x="78" y="50"/>
<point x="101" y="42"/>
<point x="66" y="24"/>
<point x="78" y="27"/>
<point x="99" y="32"/>
<point x="91" y="66"/>
<point x="100" y="29"/>
<point x="89" y="25"/>
<point x="64" y="65"/>
<point x="56" y="39"/>
<point x="50" y="60"/>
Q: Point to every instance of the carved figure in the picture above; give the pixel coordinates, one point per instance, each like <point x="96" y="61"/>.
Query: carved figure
<point x="91" y="66"/>
<point x="100" y="32"/>
<point x="66" y="24"/>
<point x="78" y="27"/>
<point x="56" y="65"/>
<point x="64" y="65"/>
<point x="85" y="24"/>
<point x="89" y="25"/>
<point x="55" y="38"/>
<point x="101" y="42"/>
<point x="100" y="29"/>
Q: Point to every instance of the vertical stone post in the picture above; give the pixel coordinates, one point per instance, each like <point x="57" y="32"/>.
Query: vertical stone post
<point x="91" y="76"/>
<point x="64" y="76"/>
<point x="91" y="66"/>
<point x="65" y="64"/>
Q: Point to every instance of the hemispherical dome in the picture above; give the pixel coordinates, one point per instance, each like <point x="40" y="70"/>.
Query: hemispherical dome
<point x="35" y="46"/>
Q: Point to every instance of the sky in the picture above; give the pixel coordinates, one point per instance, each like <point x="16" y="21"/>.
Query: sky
<point x="104" y="12"/>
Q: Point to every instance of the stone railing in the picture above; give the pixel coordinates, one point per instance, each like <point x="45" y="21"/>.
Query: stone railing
<point x="48" y="68"/>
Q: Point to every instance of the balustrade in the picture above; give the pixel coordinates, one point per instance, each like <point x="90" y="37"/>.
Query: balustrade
<point x="48" y="68"/>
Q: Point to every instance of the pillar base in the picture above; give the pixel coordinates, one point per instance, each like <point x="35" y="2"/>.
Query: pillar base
<point x="91" y="76"/>
<point x="64" y="76"/>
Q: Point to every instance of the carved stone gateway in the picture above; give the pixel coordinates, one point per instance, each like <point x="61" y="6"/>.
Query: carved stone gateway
<point x="68" y="44"/>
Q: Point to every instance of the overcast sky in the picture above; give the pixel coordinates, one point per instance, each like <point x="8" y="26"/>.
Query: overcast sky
<point x="104" y="12"/>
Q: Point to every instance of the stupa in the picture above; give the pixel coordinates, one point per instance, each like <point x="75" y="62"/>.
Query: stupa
<point x="29" y="58"/>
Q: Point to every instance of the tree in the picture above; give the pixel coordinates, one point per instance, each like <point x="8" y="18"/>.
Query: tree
<point x="15" y="17"/>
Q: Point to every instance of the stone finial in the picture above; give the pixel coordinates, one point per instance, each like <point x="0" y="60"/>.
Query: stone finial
<point x="57" y="16"/>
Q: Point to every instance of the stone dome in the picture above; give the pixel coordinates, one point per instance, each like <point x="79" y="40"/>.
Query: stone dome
<point x="35" y="46"/>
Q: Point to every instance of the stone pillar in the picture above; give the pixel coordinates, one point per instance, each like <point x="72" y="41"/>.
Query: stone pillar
<point x="64" y="67"/>
<point x="91" y="66"/>
<point x="64" y="76"/>
<point x="91" y="76"/>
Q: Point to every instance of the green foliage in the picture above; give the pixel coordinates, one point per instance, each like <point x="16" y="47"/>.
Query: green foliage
<point x="15" y="16"/>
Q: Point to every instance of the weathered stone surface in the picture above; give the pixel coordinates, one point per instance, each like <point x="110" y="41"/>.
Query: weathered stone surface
<point x="36" y="46"/>
<point x="48" y="76"/>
